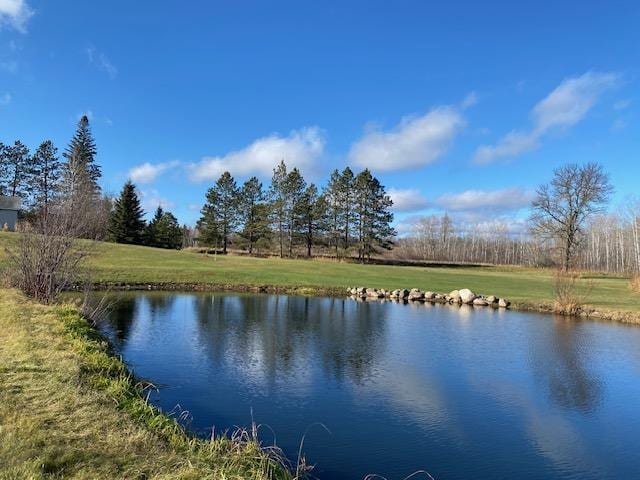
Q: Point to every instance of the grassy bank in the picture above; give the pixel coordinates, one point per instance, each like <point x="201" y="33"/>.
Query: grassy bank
<point x="68" y="409"/>
<point x="129" y="264"/>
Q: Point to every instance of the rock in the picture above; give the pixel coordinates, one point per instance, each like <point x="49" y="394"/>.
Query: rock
<point x="403" y="293"/>
<point x="454" y="293"/>
<point x="492" y="299"/>
<point x="504" y="303"/>
<point x="394" y="294"/>
<point x="467" y="296"/>
<point x="415" y="294"/>
<point x="429" y="295"/>
<point x="360" y="290"/>
<point x="480" y="302"/>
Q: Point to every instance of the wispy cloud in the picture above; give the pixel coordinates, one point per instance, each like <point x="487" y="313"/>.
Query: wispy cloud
<point x="15" y="14"/>
<point x="568" y="104"/>
<point x="149" y="172"/>
<point x="415" y="142"/>
<point x="407" y="200"/>
<point x="101" y="62"/>
<point x="301" y="148"/>
<point x="5" y="99"/>
<point x="494" y="200"/>
<point x="151" y="199"/>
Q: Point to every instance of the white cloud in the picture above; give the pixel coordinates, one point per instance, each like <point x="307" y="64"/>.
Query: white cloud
<point x="15" y="14"/>
<point x="301" y="148"/>
<point x="151" y="199"/>
<point x="495" y="200"/>
<point x="148" y="172"/>
<point x="564" y="107"/>
<point x="5" y="99"/>
<point x="469" y="101"/>
<point x="101" y="62"/>
<point x="415" y="142"/>
<point x="409" y="200"/>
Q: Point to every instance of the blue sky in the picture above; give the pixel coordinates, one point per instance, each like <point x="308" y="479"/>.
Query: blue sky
<point x="457" y="106"/>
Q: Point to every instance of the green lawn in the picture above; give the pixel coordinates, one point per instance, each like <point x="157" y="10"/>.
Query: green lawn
<point x="134" y="264"/>
<point x="68" y="409"/>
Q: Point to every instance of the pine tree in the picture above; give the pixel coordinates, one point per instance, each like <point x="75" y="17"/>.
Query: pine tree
<point x="81" y="173"/>
<point x="345" y="199"/>
<point x="331" y="195"/>
<point x="294" y="186"/>
<point x="373" y="215"/>
<point x="164" y="231"/>
<point x="220" y="212"/>
<point x="253" y="211"/>
<point x="45" y="176"/>
<point x="126" y="224"/>
<point x="277" y="195"/>
<point x="314" y="216"/>
<point x="16" y="165"/>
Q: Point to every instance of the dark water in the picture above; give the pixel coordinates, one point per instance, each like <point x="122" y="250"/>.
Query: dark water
<point x="462" y="393"/>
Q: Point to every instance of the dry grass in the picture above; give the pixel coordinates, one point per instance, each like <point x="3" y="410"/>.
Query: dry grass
<point x="68" y="409"/>
<point x="569" y="299"/>
<point x="634" y="284"/>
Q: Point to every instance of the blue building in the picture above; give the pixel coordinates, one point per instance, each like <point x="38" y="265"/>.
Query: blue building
<point x="9" y="207"/>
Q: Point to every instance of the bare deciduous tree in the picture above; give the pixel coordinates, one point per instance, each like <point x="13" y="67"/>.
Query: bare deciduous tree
<point x="562" y="207"/>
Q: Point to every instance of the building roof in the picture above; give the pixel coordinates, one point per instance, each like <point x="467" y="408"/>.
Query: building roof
<point x="9" y="203"/>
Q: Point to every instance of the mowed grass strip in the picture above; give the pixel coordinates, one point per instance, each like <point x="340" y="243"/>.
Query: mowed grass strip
<point x="113" y="263"/>
<point x="70" y="410"/>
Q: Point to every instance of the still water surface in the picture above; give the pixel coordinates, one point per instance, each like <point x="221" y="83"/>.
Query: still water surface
<point x="460" y="392"/>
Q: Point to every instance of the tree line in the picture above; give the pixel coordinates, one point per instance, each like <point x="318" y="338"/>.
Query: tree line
<point x="568" y="228"/>
<point x="351" y="214"/>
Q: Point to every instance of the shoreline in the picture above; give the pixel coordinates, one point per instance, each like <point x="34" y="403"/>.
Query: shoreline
<point x="587" y="312"/>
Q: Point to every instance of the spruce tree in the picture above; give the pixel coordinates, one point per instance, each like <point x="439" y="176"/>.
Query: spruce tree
<point x="81" y="173"/>
<point x="253" y="211"/>
<point x="126" y="224"/>
<point x="220" y="213"/>
<point x="44" y="176"/>
<point x="150" y="230"/>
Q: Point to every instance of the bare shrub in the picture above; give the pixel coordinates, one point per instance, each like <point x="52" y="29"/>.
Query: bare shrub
<point x="569" y="295"/>
<point x="47" y="257"/>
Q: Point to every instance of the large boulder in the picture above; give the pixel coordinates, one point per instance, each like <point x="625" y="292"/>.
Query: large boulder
<point x="492" y="299"/>
<point x="372" y="292"/>
<point x="504" y="303"/>
<point x="429" y="295"/>
<point x="480" y="302"/>
<point x="467" y="296"/>
<point x="416" y="294"/>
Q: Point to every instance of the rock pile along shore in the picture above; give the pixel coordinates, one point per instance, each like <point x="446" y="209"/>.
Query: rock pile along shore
<point x="456" y="297"/>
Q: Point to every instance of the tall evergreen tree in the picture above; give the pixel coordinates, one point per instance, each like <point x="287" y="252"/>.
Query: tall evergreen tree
<point x="220" y="212"/>
<point x="45" y="174"/>
<point x="277" y="194"/>
<point x="314" y="216"/>
<point x="163" y="231"/>
<point x="81" y="173"/>
<point x="253" y="211"/>
<point x="294" y="187"/>
<point x="127" y="224"/>
<point x="16" y="161"/>
<point x="346" y="200"/>
<point x="332" y="197"/>
<point x="373" y="215"/>
<point x="150" y="231"/>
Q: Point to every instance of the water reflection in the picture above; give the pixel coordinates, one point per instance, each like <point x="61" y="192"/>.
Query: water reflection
<point x="561" y="361"/>
<point x="461" y="392"/>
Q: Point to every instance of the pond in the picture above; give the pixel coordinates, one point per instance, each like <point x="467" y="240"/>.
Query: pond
<point x="456" y="391"/>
